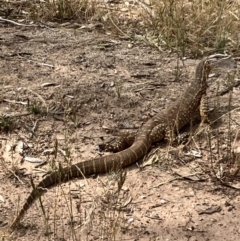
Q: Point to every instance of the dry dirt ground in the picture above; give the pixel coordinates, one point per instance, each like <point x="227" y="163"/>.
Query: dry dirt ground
<point x="89" y="83"/>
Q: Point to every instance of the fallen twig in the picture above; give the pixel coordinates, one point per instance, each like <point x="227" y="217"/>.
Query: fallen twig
<point x="230" y="88"/>
<point x="12" y="115"/>
<point x="22" y="24"/>
<point x="17" y="177"/>
<point x="176" y="178"/>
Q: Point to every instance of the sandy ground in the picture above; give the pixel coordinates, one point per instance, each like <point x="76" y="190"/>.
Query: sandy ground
<point x="94" y="83"/>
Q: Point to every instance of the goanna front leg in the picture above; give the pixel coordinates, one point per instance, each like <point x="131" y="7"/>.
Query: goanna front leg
<point x="204" y="115"/>
<point x="204" y="110"/>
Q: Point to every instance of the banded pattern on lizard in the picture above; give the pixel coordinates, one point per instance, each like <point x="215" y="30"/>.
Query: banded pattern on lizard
<point x="172" y="119"/>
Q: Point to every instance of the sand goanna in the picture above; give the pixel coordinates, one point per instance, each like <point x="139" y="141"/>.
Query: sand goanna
<point x="173" y="118"/>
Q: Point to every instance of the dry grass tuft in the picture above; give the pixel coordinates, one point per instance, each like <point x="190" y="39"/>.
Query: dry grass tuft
<point x="198" y="26"/>
<point x="80" y="10"/>
<point x="51" y="10"/>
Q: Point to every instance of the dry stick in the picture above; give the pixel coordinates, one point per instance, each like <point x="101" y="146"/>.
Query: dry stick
<point x="39" y="96"/>
<point x="176" y="178"/>
<point x="15" y="114"/>
<point x="235" y="139"/>
<point x="146" y="8"/>
<point x="223" y="115"/>
<point x="18" y="24"/>
<point x="223" y="92"/>
<point x="117" y="27"/>
<point x="15" y="102"/>
<point x="22" y="24"/>
<point x="27" y="113"/>
<point x="205" y="127"/>
<point x="38" y="63"/>
<point x="16" y="177"/>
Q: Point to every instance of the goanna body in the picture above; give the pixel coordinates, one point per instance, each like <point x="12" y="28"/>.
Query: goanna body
<point x="173" y="118"/>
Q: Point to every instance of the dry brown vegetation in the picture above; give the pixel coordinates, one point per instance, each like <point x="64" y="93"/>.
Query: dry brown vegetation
<point x="108" y="65"/>
<point x="198" y="27"/>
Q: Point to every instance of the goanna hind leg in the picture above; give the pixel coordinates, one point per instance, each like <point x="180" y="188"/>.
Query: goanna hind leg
<point x="119" y="143"/>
